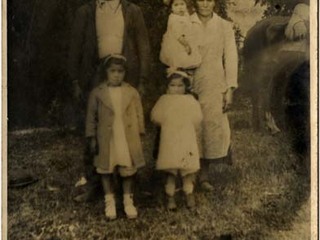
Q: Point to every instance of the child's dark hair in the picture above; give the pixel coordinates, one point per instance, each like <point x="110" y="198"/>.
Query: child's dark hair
<point x="107" y="62"/>
<point x="188" y="3"/>
<point x="186" y="82"/>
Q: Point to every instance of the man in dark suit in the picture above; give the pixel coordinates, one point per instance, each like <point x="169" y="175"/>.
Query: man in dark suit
<point x="103" y="27"/>
<point x="88" y="39"/>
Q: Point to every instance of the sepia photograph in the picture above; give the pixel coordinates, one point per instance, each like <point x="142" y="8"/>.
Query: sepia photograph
<point x="160" y="120"/>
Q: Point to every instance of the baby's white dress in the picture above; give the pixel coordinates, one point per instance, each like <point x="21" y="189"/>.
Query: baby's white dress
<point x="173" y="53"/>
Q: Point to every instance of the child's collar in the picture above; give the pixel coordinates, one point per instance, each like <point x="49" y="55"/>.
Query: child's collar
<point x="106" y="84"/>
<point x="114" y="86"/>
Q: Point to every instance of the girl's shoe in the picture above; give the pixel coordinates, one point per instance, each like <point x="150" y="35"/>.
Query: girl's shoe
<point x="110" y="207"/>
<point x="171" y="204"/>
<point x="191" y="202"/>
<point x="129" y="208"/>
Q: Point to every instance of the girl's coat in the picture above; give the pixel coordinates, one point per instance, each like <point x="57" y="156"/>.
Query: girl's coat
<point x="179" y="117"/>
<point x="100" y="116"/>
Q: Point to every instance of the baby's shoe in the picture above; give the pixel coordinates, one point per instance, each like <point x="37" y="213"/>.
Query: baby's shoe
<point x="171" y="203"/>
<point x="129" y="208"/>
<point x="191" y="202"/>
<point x="110" y="207"/>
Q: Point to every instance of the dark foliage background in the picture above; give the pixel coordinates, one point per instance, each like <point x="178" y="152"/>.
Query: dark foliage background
<point x="38" y="38"/>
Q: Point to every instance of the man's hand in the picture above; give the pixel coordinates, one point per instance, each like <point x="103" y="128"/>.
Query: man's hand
<point x="93" y="146"/>
<point x="141" y="89"/>
<point x="77" y="92"/>
<point x="227" y="100"/>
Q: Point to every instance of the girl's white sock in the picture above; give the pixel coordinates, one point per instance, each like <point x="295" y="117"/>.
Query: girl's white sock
<point x="170" y="188"/>
<point x="188" y="184"/>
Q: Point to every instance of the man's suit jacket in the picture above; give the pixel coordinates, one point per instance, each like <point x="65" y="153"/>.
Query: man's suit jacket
<point x="83" y="50"/>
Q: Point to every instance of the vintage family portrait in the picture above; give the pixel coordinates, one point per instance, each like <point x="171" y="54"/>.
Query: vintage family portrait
<point x="161" y="119"/>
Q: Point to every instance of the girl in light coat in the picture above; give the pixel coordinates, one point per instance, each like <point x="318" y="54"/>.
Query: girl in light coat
<point x="113" y="126"/>
<point x="179" y="116"/>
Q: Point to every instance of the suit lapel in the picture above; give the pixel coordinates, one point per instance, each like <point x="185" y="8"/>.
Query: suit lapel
<point x="93" y="5"/>
<point x="124" y="5"/>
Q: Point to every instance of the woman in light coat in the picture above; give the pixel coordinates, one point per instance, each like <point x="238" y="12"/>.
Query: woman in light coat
<point x="214" y="82"/>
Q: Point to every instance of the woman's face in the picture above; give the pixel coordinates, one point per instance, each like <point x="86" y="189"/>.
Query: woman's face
<point x="179" y="7"/>
<point x="176" y="86"/>
<point x="115" y="74"/>
<point x="205" y="7"/>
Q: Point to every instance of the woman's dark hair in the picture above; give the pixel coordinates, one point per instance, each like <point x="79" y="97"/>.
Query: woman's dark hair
<point x="195" y="1"/>
<point x="215" y="9"/>
<point x="106" y="63"/>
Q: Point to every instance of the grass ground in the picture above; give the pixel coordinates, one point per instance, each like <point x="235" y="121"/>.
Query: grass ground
<point x="258" y="197"/>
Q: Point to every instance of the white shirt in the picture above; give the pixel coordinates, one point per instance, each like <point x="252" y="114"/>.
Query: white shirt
<point x="109" y="27"/>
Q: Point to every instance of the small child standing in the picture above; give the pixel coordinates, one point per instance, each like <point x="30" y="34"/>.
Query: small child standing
<point x="113" y="126"/>
<point x="179" y="116"/>
<point x="179" y="48"/>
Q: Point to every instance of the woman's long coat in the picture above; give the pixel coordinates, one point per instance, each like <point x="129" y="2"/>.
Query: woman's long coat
<point x="100" y="120"/>
<point x="217" y="73"/>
